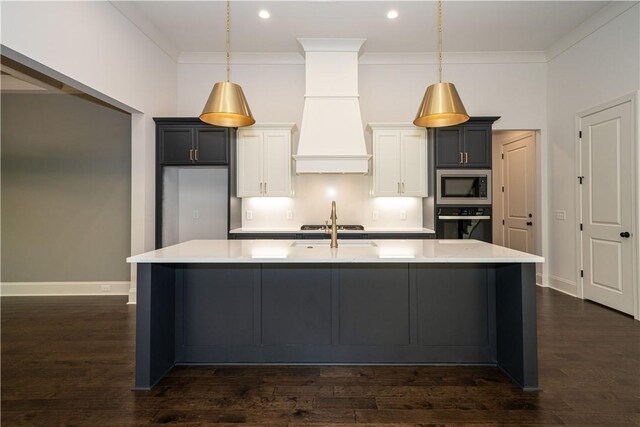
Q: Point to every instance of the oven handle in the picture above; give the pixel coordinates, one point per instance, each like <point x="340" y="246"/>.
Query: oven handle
<point x="463" y="217"/>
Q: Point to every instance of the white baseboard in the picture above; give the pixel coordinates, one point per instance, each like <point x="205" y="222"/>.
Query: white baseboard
<point x="563" y="285"/>
<point x="133" y="296"/>
<point x="23" y="289"/>
<point x="540" y="281"/>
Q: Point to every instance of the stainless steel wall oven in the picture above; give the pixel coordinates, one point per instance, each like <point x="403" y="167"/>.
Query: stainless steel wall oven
<point x="464" y="223"/>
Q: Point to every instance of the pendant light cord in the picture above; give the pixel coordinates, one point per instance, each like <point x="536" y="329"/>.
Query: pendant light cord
<point x="228" y="40"/>
<point x="440" y="41"/>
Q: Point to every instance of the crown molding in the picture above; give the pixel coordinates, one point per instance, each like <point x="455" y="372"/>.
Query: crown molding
<point x="408" y="58"/>
<point x="242" y="58"/>
<point x="419" y="58"/>
<point x="331" y="44"/>
<point x="601" y="18"/>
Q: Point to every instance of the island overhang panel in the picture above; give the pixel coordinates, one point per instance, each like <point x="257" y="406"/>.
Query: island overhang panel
<point x="337" y="307"/>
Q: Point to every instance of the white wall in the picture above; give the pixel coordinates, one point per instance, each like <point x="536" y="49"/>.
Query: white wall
<point x="389" y="92"/>
<point x="312" y="205"/>
<point x="513" y="91"/>
<point x="92" y="46"/>
<point x="602" y="66"/>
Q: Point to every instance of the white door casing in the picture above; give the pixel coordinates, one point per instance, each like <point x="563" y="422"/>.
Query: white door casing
<point x="518" y="198"/>
<point x="607" y="197"/>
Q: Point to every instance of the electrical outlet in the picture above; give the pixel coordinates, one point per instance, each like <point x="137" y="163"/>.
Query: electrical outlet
<point x="403" y="215"/>
<point x="561" y="215"/>
<point x="374" y="216"/>
<point x="105" y="288"/>
<point x="289" y="215"/>
<point x="196" y="214"/>
<point x="249" y="215"/>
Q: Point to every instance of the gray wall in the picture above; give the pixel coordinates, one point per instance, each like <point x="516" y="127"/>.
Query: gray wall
<point x="66" y="189"/>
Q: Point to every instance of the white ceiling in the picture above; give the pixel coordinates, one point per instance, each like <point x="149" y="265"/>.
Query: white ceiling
<point x="469" y="26"/>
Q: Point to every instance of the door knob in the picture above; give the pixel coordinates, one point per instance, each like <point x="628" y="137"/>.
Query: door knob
<point x="625" y="234"/>
<point x="529" y="223"/>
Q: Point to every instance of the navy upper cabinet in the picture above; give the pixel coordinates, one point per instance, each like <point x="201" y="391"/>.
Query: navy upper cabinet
<point x="176" y="145"/>
<point x="191" y="142"/>
<point x="465" y="146"/>
<point x="477" y="147"/>
<point x="212" y="146"/>
<point x="449" y="147"/>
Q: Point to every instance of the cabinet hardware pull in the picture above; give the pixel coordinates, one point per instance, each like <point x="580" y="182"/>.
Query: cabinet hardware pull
<point x="403" y="188"/>
<point x="399" y="188"/>
<point x="196" y="154"/>
<point x="191" y="154"/>
<point x="260" y="188"/>
<point x="466" y="157"/>
<point x="265" y="188"/>
<point x="461" y="158"/>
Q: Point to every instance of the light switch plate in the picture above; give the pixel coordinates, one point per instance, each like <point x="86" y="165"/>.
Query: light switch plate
<point x="403" y="215"/>
<point x="374" y="216"/>
<point x="289" y="215"/>
<point x="249" y="215"/>
<point x="561" y="215"/>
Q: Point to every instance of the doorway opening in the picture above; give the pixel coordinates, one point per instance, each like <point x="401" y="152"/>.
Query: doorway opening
<point x="517" y="192"/>
<point x="66" y="188"/>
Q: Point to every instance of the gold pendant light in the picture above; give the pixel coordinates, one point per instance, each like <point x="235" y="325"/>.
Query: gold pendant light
<point x="441" y="105"/>
<point x="227" y="105"/>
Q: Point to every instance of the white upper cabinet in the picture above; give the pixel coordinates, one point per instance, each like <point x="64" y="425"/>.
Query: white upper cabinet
<point x="264" y="160"/>
<point x="399" y="160"/>
<point x="250" y="163"/>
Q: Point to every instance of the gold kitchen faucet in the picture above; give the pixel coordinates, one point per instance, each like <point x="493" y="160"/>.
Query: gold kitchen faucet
<point x="333" y="229"/>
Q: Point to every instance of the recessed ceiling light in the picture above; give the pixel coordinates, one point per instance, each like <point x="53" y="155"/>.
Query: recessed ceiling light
<point x="392" y="14"/>
<point x="264" y="14"/>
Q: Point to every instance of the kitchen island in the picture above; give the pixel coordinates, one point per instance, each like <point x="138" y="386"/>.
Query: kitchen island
<point x="367" y="302"/>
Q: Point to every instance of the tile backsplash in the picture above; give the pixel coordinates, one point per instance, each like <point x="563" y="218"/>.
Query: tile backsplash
<point x="311" y="204"/>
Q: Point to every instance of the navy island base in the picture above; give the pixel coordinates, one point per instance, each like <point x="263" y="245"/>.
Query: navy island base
<point x="347" y="313"/>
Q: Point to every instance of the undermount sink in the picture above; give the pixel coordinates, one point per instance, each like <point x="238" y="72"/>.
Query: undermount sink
<point x="326" y="243"/>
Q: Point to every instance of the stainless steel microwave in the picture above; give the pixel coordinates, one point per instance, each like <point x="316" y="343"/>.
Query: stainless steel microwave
<point x="463" y="187"/>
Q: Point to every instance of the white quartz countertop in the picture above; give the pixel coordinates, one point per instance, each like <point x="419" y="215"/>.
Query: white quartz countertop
<point x="348" y="251"/>
<point x="406" y="230"/>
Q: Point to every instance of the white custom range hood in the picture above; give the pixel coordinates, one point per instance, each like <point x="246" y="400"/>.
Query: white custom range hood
<point x="331" y="134"/>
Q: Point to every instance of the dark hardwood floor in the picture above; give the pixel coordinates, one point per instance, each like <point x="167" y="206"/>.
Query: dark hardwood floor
<point x="69" y="361"/>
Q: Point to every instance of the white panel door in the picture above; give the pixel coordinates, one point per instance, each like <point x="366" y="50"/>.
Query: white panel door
<point x="518" y="180"/>
<point x="386" y="163"/>
<point x="277" y="164"/>
<point x="250" y="163"/>
<point x="607" y="197"/>
<point x="413" y="167"/>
